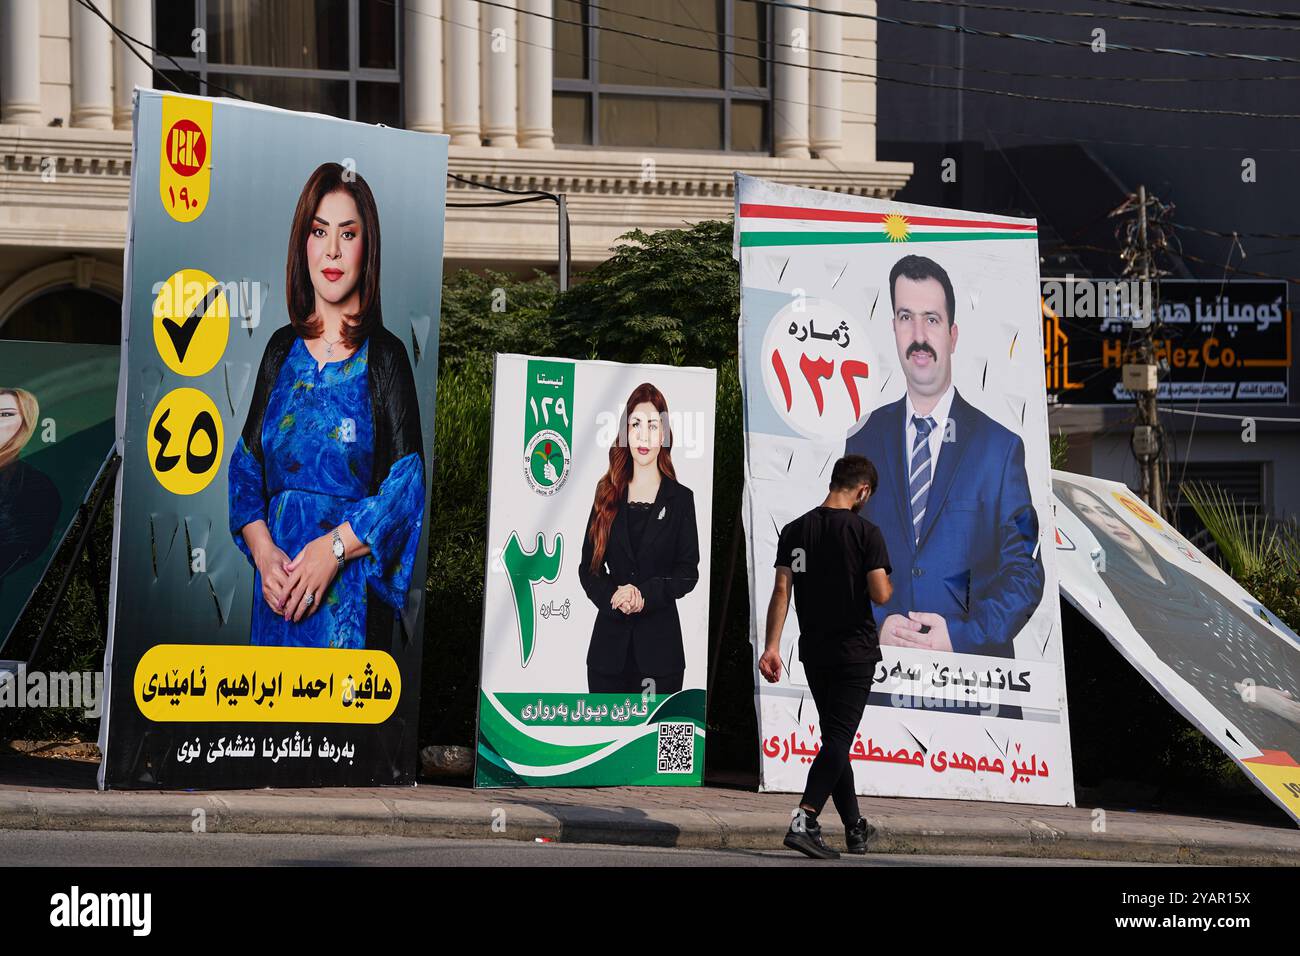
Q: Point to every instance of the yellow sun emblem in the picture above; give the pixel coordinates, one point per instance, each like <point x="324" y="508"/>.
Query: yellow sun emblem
<point x="896" y="228"/>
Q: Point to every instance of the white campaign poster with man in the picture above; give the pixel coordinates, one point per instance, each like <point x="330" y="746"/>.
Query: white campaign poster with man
<point x="596" y="603"/>
<point x="910" y="335"/>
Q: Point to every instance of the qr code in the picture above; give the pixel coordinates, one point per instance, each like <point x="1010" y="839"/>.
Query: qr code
<point x="676" y="748"/>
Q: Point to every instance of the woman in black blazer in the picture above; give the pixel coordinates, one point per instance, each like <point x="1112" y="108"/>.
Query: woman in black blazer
<point x="640" y="554"/>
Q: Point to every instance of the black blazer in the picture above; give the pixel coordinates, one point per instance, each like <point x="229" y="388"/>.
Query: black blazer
<point x="664" y="568"/>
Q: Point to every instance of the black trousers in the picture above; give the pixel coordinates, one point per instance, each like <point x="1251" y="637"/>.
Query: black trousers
<point x="840" y="693"/>
<point x="628" y="681"/>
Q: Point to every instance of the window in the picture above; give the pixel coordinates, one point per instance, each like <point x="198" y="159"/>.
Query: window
<point x="1245" y="481"/>
<point x="66" y="315"/>
<point x="324" y="56"/>
<point x="703" y="83"/>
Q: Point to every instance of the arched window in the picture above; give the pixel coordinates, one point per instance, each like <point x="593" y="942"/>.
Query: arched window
<point x="66" y="314"/>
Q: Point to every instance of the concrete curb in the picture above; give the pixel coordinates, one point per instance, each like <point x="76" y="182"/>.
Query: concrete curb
<point x="1125" y="839"/>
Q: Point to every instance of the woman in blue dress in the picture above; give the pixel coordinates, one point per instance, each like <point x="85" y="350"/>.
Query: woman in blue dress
<point x="327" y="479"/>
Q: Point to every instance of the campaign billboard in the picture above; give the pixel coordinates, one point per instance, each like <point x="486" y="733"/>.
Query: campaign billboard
<point x="1223" y="660"/>
<point x="275" y="420"/>
<point x="56" y="433"/>
<point x="596" y="602"/>
<point x="909" y="335"/>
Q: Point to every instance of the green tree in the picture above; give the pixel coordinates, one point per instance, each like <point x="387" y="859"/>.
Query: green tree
<point x="489" y="312"/>
<point x="670" y="297"/>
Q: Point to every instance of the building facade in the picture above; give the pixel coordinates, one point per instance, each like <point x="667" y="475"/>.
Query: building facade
<point x="638" y="113"/>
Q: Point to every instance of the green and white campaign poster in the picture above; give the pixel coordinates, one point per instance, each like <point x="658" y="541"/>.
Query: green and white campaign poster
<point x="596" y="605"/>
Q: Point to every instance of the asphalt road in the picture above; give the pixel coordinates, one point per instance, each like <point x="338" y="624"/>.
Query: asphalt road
<point x="73" y="848"/>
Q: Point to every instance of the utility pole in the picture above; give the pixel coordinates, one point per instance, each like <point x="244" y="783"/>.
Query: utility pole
<point x="1142" y="373"/>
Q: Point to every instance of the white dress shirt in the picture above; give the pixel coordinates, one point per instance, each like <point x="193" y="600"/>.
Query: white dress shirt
<point x="940" y="416"/>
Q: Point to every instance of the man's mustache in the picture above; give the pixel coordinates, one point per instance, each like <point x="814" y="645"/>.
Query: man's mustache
<point x="920" y="347"/>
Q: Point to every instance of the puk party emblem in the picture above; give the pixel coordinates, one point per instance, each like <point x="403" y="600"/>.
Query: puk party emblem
<point x="185" y="441"/>
<point x="185" y="165"/>
<point x="191" y="322"/>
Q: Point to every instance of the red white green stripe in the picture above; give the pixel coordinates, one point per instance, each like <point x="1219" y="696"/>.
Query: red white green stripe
<point x="770" y="225"/>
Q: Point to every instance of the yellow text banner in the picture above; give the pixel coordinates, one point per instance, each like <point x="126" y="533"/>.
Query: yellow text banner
<point x="318" y="685"/>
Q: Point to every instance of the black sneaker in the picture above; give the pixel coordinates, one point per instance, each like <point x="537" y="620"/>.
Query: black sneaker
<point x="856" y="836"/>
<point x="809" y="842"/>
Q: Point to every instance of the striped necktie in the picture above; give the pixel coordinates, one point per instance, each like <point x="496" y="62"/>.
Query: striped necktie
<point x="920" y="473"/>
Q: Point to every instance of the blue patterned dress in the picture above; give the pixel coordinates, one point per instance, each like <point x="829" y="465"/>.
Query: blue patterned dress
<point x="318" y="443"/>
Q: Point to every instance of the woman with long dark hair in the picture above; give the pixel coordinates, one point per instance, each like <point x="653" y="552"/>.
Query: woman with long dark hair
<point x="640" y="554"/>
<point x="1218" y="648"/>
<point x="330" y="466"/>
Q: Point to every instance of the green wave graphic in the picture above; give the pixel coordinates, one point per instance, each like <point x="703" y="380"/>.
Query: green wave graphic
<point x="684" y="705"/>
<point x="517" y="746"/>
<point x="631" y="762"/>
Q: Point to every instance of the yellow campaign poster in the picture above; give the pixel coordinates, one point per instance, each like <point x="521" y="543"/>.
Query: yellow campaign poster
<point x="275" y="421"/>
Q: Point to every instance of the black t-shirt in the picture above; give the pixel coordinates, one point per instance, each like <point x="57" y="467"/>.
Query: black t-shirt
<point x="830" y="551"/>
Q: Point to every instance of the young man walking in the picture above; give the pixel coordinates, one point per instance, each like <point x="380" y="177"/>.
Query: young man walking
<point x="835" y="561"/>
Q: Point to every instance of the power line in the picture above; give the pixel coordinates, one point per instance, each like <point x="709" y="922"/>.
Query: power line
<point x="1187" y="255"/>
<point x="533" y="195"/>
<point x="127" y="40"/>
<point x="1029" y="37"/>
<point x="668" y="91"/>
<point x="1239" y="417"/>
<point x="537" y="193"/>
<point x="1291" y="236"/>
<point x="1124" y="18"/>
<point x="1024" y="133"/>
<point x="493" y="205"/>
<point x="1198" y="8"/>
<point x="921" y="83"/>
<point x="1028" y="134"/>
<point x="723" y="35"/>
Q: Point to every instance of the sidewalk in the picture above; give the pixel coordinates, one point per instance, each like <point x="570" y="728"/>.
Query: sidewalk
<point x="49" y="794"/>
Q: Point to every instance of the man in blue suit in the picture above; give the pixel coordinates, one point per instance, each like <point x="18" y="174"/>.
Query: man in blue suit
<point x="953" y="502"/>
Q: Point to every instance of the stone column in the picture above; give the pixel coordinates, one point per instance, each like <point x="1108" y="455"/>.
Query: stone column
<point x="461" y="43"/>
<point x="827" y="137"/>
<point x="20" y="62"/>
<point x="422" y="65"/>
<point x="500" y="74"/>
<point x="92" y="67"/>
<point x="790" y="86"/>
<point x="536" y="72"/>
<point x="134" y="18"/>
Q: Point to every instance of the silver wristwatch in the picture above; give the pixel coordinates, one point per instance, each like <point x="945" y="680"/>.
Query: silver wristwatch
<point x="337" y="547"/>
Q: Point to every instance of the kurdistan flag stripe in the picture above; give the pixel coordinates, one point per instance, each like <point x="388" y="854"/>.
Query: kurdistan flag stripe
<point x="776" y="225"/>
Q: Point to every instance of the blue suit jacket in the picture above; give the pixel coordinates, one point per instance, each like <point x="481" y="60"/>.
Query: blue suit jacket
<point x="975" y="564"/>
